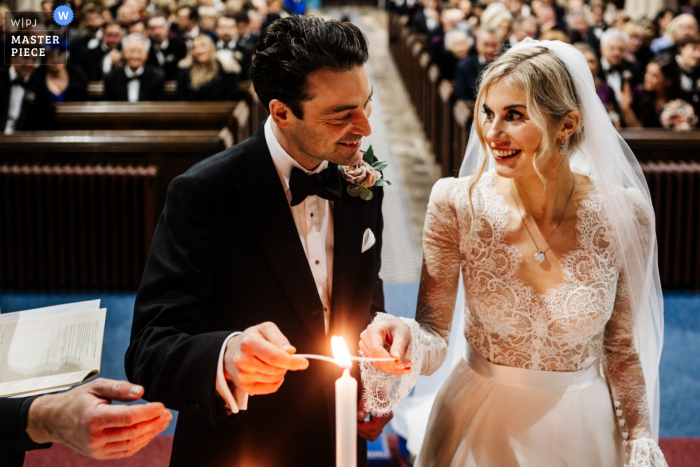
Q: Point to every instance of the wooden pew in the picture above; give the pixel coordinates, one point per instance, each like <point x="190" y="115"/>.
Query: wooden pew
<point x="463" y="113"/>
<point x="659" y="144"/>
<point x="443" y="148"/>
<point x="172" y="151"/>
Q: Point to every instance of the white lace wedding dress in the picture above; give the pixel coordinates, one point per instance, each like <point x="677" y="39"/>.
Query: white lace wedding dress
<point x="548" y="379"/>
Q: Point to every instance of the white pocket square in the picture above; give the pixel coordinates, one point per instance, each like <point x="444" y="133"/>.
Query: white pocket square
<point x="367" y="240"/>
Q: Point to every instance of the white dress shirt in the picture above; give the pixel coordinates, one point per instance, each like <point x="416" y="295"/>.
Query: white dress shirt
<point x="15" y="107"/>
<point x="314" y="222"/>
<point x="159" y="51"/>
<point x="613" y="78"/>
<point x="133" y="86"/>
<point x="107" y="62"/>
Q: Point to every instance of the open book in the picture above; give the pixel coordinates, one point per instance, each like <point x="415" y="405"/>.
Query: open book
<point x="50" y="349"/>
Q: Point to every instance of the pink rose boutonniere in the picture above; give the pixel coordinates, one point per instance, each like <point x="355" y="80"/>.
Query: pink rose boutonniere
<point x="364" y="175"/>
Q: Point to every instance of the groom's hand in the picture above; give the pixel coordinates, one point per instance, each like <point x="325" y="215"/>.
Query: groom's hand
<point x="257" y="359"/>
<point x="387" y="339"/>
<point x="371" y="429"/>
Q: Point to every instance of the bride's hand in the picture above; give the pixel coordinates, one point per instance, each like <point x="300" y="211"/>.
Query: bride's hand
<point x="392" y="334"/>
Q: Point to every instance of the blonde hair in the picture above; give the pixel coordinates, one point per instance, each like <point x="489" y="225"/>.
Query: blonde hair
<point x="201" y="73"/>
<point x="549" y="96"/>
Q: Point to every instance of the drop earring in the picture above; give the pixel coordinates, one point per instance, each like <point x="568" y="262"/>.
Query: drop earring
<point x="562" y="149"/>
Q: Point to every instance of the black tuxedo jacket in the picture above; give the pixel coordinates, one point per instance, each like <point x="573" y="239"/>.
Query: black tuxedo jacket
<point x="628" y="68"/>
<point x="37" y="112"/>
<point x="152" y="85"/>
<point x="226" y="255"/>
<point x="14" y="440"/>
<point x="176" y="51"/>
<point x="92" y="63"/>
<point x="468" y="70"/>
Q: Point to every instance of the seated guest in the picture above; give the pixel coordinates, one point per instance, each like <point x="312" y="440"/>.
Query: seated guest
<point x="458" y="44"/>
<point x="642" y="105"/>
<point x="604" y="91"/>
<point x="245" y="44"/>
<point x="578" y="30"/>
<point x="426" y="18"/>
<point x="681" y="26"/>
<point x="614" y="69"/>
<point x="136" y="81"/>
<point x="99" y="61"/>
<point x="547" y="19"/>
<point x="596" y="15"/>
<point x="637" y="49"/>
<point x="204" y="76"/>
<point x="449" y="19"/>
<point x="90" y="34"/>
<point x="525" y="26"/>
<point x="166" y="49"/>
<point x="25" y="103"/>
<point x="488" y="44"/>
<point x="136" y="27"/>
<point x="187" y="24"/>
<point x="207" y="20"/>
<point x="688" y="60"/>
<point x="65" y="82"/>
<point x="226" y="34"/>
<point x="496" y="15"/>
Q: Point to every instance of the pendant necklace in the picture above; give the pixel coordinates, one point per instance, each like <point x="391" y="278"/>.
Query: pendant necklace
<point x="540" y="253"/>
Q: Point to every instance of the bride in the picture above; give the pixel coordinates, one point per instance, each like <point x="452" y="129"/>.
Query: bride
<point x="553" y="233"/>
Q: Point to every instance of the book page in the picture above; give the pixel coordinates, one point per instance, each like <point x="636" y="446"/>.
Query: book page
<point x="39" y="350"/>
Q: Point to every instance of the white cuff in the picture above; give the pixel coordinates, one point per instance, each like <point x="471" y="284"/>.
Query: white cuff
<point x="238" y="400"/>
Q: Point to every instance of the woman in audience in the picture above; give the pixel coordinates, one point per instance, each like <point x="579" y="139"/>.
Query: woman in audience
<point x="204" y="76"/>
<point x="642" y="106"/>
<point x="637" y="48"/>
<point x="65" y="83"/>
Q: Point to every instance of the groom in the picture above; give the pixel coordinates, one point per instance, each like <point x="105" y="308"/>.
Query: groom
<point x="261" y="253"/>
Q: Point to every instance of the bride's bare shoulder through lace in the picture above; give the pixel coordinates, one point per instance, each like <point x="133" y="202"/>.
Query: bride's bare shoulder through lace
<point x="584" y="320"/>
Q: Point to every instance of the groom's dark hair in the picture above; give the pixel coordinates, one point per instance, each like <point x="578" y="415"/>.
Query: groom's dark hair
<point x="291" y="48"/>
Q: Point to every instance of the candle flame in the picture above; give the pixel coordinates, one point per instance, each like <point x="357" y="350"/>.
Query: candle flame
<point x="341" y="352"/>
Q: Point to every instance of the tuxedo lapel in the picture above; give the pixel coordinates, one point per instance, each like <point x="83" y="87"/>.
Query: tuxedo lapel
<point x="267" y="209"/>
<point x="349" y="227"/>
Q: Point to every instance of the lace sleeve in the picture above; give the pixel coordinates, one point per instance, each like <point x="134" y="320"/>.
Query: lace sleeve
<point x="626" y="379"/>
<point x="430" y="330"/>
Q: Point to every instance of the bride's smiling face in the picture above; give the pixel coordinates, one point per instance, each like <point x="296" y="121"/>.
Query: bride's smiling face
<point x="509" y="132"/>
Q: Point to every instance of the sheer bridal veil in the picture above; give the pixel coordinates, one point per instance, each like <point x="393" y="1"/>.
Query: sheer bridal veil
<point x="607" y="159"/>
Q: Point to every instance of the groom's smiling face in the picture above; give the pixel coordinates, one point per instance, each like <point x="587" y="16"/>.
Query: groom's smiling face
<point x="335" y="118"/>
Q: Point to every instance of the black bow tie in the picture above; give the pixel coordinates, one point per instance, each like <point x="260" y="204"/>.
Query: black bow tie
<point x="19" y="81"/>
<point x="327" y="184"/>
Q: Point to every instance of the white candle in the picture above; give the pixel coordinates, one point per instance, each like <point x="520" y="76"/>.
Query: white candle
<point x="345" y="408"/>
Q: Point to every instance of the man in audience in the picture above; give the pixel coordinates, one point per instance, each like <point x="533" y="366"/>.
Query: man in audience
<point x="226" y="34"/>
<point x="688" y="60"/>
<point x="547" y="19"/>
<point x="25" y="104"/>
<point x="525" y="26"/>
<point x="245" y="44"/>
<point x="458" y="44"/>
<point x="99" y="61"/>
<point x="166" y="49"/>
<point x="681" y="26"/>
<point x="187" y="24"/>
<point x="578" y="30"/>
<point x="136" y="81"/>
<point x="488" y="44"/>
<point x="82" y="419"/>
<point x="91" y="34"/>
<point x="614" y="69"/>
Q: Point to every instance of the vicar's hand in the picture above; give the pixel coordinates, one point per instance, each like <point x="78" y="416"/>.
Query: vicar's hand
<point x="257" y="359"/>
<point x="371" y="429"/>
<point x="84" y="419"/>
<point x="388" y="338"/>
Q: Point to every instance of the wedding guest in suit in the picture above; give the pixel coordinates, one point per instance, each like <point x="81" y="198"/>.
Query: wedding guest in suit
<point x="688" y="60"/>
<point x="25" y="103"/>
<point x="488" y="44"/>
<point x="578" y="30"/>
<point x="614" y="69"/>
<point x="65" y="82"/>
<point x="81" y="419"/>
<point x="226" y="34"/>
<point x="604" y="91"/>
<point x="187" y="24"/>
<point x="102" y="59"/>
<point x="245" y="44"/>
<point x="166" y="49"/>
<point x="261" y="252"/>
<point x="206" y="76"/>
<point x="90" y="34"/>
<point x="135" y="81"/>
